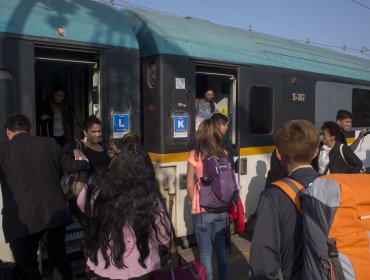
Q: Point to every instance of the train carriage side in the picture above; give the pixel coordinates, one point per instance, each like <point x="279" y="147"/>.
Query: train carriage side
<point x="260" y="81"/>
<point x="85" y="46"/>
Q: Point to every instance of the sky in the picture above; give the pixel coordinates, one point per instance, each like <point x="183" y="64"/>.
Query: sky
<point x="331" y="24"/>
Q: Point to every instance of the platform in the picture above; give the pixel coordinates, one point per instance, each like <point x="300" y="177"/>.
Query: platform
<point x="238" y="258"/>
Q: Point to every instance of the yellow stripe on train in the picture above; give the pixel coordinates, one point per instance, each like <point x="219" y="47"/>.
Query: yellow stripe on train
<point x="178" y="157"/>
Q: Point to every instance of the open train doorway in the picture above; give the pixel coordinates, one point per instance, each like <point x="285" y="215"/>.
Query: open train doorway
<point x="78" y="74"/>
<point x="223" y="82"/>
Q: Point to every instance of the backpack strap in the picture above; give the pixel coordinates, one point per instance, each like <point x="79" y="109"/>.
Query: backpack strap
<point x="341" y="153"/>
<point x="292" y="189"/>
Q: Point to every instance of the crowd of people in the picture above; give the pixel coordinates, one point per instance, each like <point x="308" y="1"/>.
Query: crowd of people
<point x="301" y="154"/>
<point x="120" y="206"/>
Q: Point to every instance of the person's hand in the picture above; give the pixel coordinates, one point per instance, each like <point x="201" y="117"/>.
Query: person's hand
<point x="78" y="155"/>
<point x="45" y="117"/>
<point x="363" y="132"/>
<point x="113" y="149"/>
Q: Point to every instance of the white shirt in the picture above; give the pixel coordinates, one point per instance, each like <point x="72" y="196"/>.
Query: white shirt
<point x="203" y="111"/>
<point x="58" y="129"/>
<point x="324" y="159"/>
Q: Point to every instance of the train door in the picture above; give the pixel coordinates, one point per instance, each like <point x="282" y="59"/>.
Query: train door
<point x="223" y="82"/>
<point x="259" y="114"/>
<point x="78" y="74"/>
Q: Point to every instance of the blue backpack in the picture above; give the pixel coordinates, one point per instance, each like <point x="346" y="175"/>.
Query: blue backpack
<point x="218" y="187"/>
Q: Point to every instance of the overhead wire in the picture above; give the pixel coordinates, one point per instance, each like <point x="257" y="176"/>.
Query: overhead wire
<point x="345" y="49"/>
<point x="358" y="3"/>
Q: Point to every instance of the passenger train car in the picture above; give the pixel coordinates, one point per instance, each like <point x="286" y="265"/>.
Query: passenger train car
<point x="260" y="82"/>
<point x="85" y="46"/>
<point x="147" y="69"/>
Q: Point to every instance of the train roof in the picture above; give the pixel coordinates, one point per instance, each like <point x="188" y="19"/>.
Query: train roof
<point x="83" y="20"/>
<point x="164" y="34"/>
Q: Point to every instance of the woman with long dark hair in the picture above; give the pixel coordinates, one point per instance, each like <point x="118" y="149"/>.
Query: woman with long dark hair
<point x="205" y="107"/>
<point x="210" y="228"/>
<point x="125" y="218"/>
<point x="58" y="116"/>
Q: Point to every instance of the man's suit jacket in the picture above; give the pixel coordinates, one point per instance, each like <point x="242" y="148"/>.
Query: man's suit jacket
<point x="33" y="200"/>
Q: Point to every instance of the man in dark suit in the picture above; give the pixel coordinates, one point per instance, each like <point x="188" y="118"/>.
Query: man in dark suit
<point x="33" y="202"/>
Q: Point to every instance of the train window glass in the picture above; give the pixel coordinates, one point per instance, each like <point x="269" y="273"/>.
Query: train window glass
<point x="5" y="99"/>
<point x="260" y="108"/>
<point x="360" y="107"/>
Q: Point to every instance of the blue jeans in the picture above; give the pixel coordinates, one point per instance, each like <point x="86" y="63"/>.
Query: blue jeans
<point x="211" y="231"/>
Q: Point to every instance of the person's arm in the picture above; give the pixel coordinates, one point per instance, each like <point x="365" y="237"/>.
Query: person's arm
<point x="81" y="199"/>
<point x="113" y="150"/>
<point x="67" y="161"/>
<point x="217" y="108"/>
<point x="265" y="250"/>
<point x="45" y="111"/>
<point x="354" y="145"/>
<point x="190" y="181"/>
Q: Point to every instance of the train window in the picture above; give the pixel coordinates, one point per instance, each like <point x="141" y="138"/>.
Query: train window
<point x="260" y="110"/>
<point x="360" y="107"/>
<point x="5" y="98"/>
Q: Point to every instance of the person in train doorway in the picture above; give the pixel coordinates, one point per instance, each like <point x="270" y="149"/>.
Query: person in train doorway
<point x="276" y="251"/>
<point x="33" y="203"/>
<point x="57" y="117"/>
<point x="344" y="120"/>
<point x="205" y="107"/>
<point x="334" y="156"/>
<point x="210" y="228"/>
<point x="223" y="123"/>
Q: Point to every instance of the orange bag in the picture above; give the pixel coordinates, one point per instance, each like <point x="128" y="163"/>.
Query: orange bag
<point x="336" y="225"/>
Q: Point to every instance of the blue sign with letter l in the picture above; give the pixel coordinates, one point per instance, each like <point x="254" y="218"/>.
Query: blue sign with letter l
<point x="121" y="125"/>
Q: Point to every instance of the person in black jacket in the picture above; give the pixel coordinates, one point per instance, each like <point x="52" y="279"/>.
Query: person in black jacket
<point x="57" y="115"/>
<point x="33" y="202"/>
<point x="276" y="171"/>
<point x="276" y="250"/>
<point x="334" y="156"/>
<point x="344" y="120"/>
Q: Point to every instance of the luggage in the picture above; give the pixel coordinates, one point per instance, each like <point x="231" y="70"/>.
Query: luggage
<point x="336" y="225"/>
<point x="73" y="182"/>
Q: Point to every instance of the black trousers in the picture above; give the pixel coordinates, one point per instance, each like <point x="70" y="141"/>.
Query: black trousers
<point x="25" y="253"/>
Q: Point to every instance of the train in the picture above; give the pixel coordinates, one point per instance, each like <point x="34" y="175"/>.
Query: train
<point x="142" y="71"/>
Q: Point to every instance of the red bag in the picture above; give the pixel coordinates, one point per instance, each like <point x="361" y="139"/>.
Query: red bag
<point x="188" y="271"/>
<point x="236" y="213"/>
